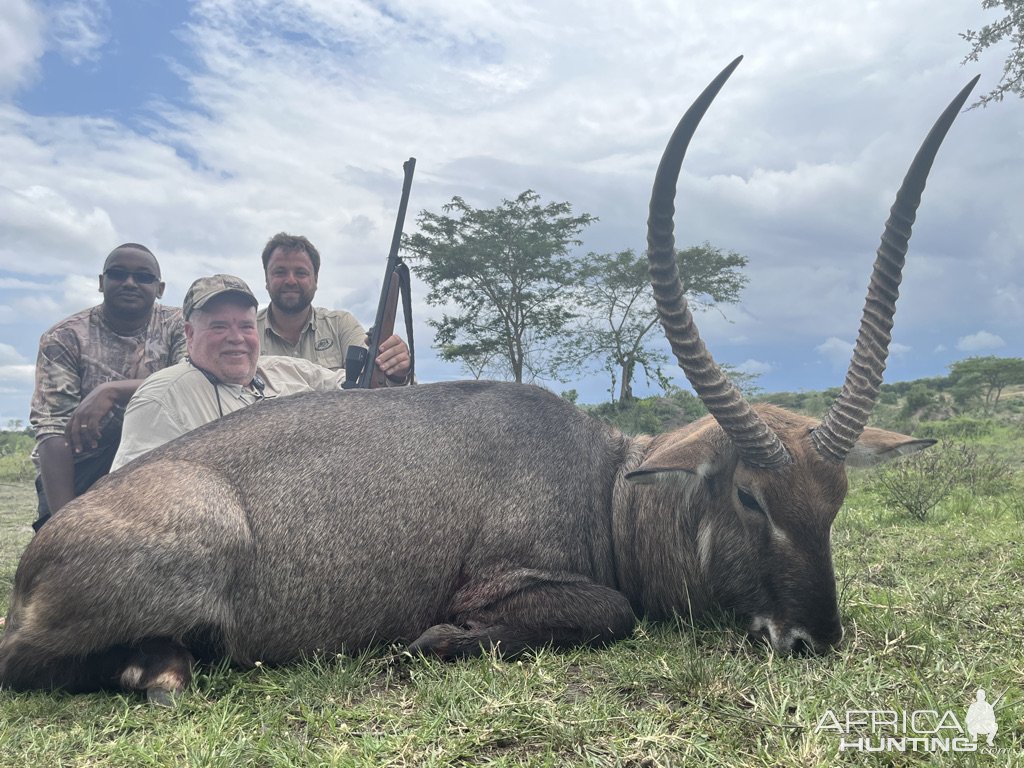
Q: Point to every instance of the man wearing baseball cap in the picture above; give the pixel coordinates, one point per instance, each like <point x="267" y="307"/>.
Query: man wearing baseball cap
<point x="222" y="373"/>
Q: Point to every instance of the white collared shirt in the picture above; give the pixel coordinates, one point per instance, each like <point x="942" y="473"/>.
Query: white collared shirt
<point x="180" y="398"/>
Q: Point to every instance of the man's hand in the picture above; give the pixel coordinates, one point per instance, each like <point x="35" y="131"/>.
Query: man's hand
<point x="394" y="358"/>
<point x="84" y="428"/>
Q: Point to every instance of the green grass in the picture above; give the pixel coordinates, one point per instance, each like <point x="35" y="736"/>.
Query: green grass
<point x="932" y="612"/>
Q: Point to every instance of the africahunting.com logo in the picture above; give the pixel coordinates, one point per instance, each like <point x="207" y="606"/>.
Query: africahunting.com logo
<point x="917" y="730"/>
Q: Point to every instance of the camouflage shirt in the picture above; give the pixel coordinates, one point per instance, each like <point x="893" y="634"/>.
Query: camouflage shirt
<point x="82" y="351"/>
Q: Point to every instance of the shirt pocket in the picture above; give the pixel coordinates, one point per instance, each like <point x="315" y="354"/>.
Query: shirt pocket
<point x="328" y="354"/>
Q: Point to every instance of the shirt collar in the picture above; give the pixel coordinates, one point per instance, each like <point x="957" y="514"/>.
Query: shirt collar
<point x="310" y="325"/>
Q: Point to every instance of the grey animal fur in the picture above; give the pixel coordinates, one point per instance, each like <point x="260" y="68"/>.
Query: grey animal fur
<point x="482" y="514"/>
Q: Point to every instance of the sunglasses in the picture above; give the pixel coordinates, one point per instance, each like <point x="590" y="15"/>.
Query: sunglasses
<point x="119" y="275"/>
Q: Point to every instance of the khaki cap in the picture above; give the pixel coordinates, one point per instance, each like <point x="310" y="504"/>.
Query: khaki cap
<point x="206" y="288"/>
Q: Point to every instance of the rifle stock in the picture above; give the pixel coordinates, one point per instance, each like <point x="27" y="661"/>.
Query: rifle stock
<point x="396" y="283"/>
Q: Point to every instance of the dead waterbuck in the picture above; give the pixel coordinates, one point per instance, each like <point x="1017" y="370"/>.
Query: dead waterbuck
<point x="460" y="516"/>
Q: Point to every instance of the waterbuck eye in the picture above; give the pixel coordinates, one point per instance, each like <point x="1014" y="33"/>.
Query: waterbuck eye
<point x="748" y="501"/>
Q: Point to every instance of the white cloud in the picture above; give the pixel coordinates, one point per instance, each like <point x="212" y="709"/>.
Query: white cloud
<point x="44" y="230"/>
<point x="979" y="342"/>
<point x="79" y="29"/>
<point x="13" y="283"/>
<point x="836" y="351"/>
<point x="76" y="30"/>
<point x="755" y="367"/>
<point x="10" y="356"/>
<point x="898" y="350"/>
<point x="22" y="374"/>
<point x="21" y="43"/>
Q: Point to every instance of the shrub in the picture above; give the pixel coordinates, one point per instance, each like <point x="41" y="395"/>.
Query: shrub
<point x="651" y="415"/>
<point x="961" y="427"/>
<point x="16" y="468"/>
<point x="915" y="484"/>
<point x="918" y="483"/>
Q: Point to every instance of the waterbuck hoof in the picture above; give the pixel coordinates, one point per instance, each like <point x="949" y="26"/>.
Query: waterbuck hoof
<point x="436" y="641"/>
<point x="162" y="697"/>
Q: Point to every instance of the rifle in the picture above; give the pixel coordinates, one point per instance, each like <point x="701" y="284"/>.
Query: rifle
<point x="361" y="364"/>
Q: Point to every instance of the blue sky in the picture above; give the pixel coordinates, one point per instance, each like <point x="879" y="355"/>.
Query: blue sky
<point x="201" y="129"/>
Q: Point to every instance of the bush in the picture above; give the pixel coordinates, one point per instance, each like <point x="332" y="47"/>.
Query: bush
<point x="915" y="484"/>
<point x="961" y="427"/>
<point x="651" y="415"/>
<point x="918" y="483"/>
<point x="15" y="463"/>
<point x="16" y="468"/>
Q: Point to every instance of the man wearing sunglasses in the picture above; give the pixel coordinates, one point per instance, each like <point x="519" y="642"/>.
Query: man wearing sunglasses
<point x="89" y="365"/>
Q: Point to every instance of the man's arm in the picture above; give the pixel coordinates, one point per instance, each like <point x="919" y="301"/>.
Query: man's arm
<point x="86" y="424"/>
<point x="56" y="471"/>
<point x="57" y="394"/>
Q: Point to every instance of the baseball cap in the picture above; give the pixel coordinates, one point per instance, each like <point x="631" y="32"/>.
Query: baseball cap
<point x="206" y="288"/>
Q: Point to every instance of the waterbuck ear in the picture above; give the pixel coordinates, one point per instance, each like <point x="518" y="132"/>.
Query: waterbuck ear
<point x="879" y="445"/>
<point x="699" y="453"/>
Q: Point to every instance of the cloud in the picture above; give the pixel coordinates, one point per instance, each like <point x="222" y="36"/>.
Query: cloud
<point x="22" y="374"/>
<point x="79" y="29"/>
<point x="836" y="351"/>
<point x="979" y="342"/>
<point x="76" y="30"/>
<point x="898" y="350"/>
<point x="21" y="43"/>
<point x="45" y="230"/>
<point x="10" y="356"/>
<point x="755" y="367"/>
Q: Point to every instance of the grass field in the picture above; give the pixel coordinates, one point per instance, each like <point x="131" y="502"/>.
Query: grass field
<point x="933" y="611"/>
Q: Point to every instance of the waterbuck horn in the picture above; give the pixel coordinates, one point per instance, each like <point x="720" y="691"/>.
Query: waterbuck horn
<point x="757" y="443"/>
<point x="845" y="420"/>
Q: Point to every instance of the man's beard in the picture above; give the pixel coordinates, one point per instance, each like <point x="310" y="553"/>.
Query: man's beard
<point x="293" y="304"/>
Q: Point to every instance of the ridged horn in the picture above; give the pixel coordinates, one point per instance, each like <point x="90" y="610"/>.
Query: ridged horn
<point x="757" y="443"/>
<point x="846" y="419"/>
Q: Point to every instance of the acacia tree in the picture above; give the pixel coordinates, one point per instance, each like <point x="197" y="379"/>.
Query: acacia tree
<point x="505" y="280"/>
<point x="1009" y="27"/>
<point x="991" y="374"/>
<point x="620" y="311"/>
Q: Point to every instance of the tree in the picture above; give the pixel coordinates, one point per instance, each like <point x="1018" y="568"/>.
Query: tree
<point x="620" y="311"/>
<point x="991" y="374"/>
<point x="1010" y="27"/>
<point x="506" y="277"/>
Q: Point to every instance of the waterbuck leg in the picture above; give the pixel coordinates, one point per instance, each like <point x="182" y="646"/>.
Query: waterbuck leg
<point x="513" y="611"/>
<point x="24" y="667"/>
<point x="160" y="667"/>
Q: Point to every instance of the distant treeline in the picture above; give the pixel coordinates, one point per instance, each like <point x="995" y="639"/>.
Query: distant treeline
<point x="978" y="391"/>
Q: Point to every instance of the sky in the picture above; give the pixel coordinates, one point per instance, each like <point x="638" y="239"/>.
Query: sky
<point x="202" y="128"/>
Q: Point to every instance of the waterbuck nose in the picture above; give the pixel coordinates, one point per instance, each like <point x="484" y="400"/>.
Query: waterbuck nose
<point x="796" y="640"/>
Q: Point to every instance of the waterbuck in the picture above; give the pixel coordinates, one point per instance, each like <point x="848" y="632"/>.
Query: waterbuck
<point x="460" y="516"/>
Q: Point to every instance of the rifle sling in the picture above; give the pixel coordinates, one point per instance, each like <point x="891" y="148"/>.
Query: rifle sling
<point x="405" y="288"/>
